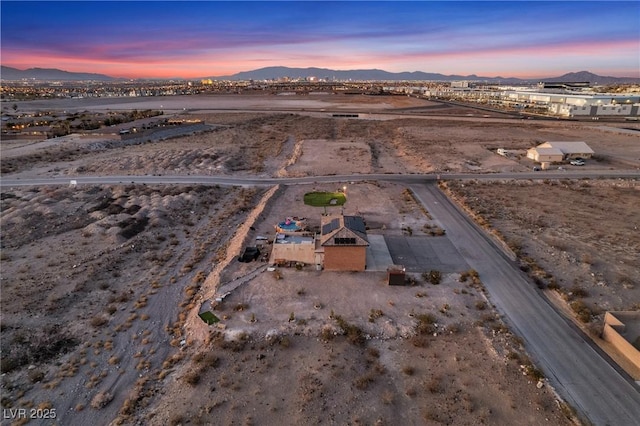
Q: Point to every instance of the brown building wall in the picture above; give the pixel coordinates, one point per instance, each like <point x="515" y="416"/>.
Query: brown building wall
<point x="610" y="334"/>
<point x="343" y="258"/>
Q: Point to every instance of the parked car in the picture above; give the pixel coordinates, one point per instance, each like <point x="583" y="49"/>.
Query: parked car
<point x="577" y="162"/>
<point x="250" y="254"/>
<point x="536" y="169"/>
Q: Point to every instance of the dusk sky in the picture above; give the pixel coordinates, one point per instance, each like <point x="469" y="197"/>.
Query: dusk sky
<point x="206" y="38"/>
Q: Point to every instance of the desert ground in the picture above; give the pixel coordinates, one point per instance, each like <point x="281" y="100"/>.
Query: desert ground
<point x="101" y="284"/>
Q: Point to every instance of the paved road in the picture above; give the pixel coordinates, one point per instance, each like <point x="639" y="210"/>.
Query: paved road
<point x="579" y="374"/>
<point x="268" y="181"/>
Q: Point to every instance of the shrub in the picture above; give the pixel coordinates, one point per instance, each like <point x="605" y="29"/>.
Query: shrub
<point x="375" y="314"/>
<point x="408" y="370"/>
<point x="582" y="311"/>
<point x="98" y="321"/>
<point x="192" y="377"/>
<point x="481" y="305"/>
<point x="434" y="385"/>
<point x="579" y="292"/>
<point x="241" y="307"/>
<point x="426" y="324"/>
<point x="533" y="372"/>
<point x="35" y="376"/>
<point x="101" y="399"/>
<point x="433" y="276"/>
<point x="353" y="333"/>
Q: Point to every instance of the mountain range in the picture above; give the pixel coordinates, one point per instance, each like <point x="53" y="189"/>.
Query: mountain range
<point x="271" y="73"/>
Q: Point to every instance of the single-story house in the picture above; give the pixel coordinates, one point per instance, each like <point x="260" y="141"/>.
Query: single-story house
<point x="344" y="240"/>
<point x="559" y="151"/>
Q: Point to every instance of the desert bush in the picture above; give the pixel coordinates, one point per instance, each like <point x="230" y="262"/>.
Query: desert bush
<point x="192" y="377"/>
<point x="533" y="372"/>
<point x="35" y="375"/>
<point x="577" y="291"/>
<point x="354" y="334"/>
<point x="375" y="314"/>
<point x="514" y="356"/>
<point x="176" y="420"/>
<point x="241" y="307"/>
<point x="433" y="276"/>
<point x="101" y="399"/>
<point x="481" y="305"/>
<point x="426" y="323"/>
<point x="408" y="370"/>
<point x="34" y="347"/>
<point x="285" y="342"/>
<point x="387" y="397"/>
<point x="419" y="342"/>
<point x="327" y="333"/>
<point x="434" y="385"/>
<point x="582" y="311"/>
<point x="362" y="382"/>
<point x="374" y="353"/>
<point x="98" y="321"/>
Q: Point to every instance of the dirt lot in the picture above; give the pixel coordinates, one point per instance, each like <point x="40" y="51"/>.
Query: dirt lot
<point x="98" y="282"/>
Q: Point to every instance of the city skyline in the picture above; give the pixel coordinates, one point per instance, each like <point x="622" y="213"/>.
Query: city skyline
<point x="160" y="39"/>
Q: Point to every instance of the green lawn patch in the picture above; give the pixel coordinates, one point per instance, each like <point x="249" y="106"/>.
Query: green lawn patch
<point x="209" y="317"/>
<point x="325" y="199"/>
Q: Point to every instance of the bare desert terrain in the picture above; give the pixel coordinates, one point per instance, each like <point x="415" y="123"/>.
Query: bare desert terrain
<point x="101" y="285"/>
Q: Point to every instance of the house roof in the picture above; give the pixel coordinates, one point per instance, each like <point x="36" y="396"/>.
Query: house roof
<point x="352" y="227"/>
<point x="568" y="147"/>
<point x="548" y="151"/>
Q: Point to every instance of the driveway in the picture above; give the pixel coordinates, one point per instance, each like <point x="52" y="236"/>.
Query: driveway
<point x="423" y="253"/>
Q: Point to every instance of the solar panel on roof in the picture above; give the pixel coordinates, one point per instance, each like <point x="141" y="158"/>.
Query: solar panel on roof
<point x="355" y="223"/>
<point x="330" y="227"/>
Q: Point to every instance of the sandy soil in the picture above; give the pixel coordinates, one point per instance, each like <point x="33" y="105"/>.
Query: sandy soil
<point x="98" y="283"/>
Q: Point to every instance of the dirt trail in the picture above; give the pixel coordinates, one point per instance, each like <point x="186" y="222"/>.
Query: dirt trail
<point x="196" y="329"/>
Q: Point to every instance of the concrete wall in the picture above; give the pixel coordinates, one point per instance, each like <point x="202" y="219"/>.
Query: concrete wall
<point x="345" y="258"/>
<point x="295" y="252"/>
<point x="613" y="330"/>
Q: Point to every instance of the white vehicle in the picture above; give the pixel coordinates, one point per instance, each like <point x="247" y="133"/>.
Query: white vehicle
<point x="577" y="162"/>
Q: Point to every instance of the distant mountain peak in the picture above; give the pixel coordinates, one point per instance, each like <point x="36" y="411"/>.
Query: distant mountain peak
<point x="49" y="74"/>
<point x="277" y="72"/>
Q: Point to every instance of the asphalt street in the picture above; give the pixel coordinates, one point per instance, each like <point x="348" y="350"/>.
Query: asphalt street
<point x="268" y="181"/>
<point x="574" y="368"/>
